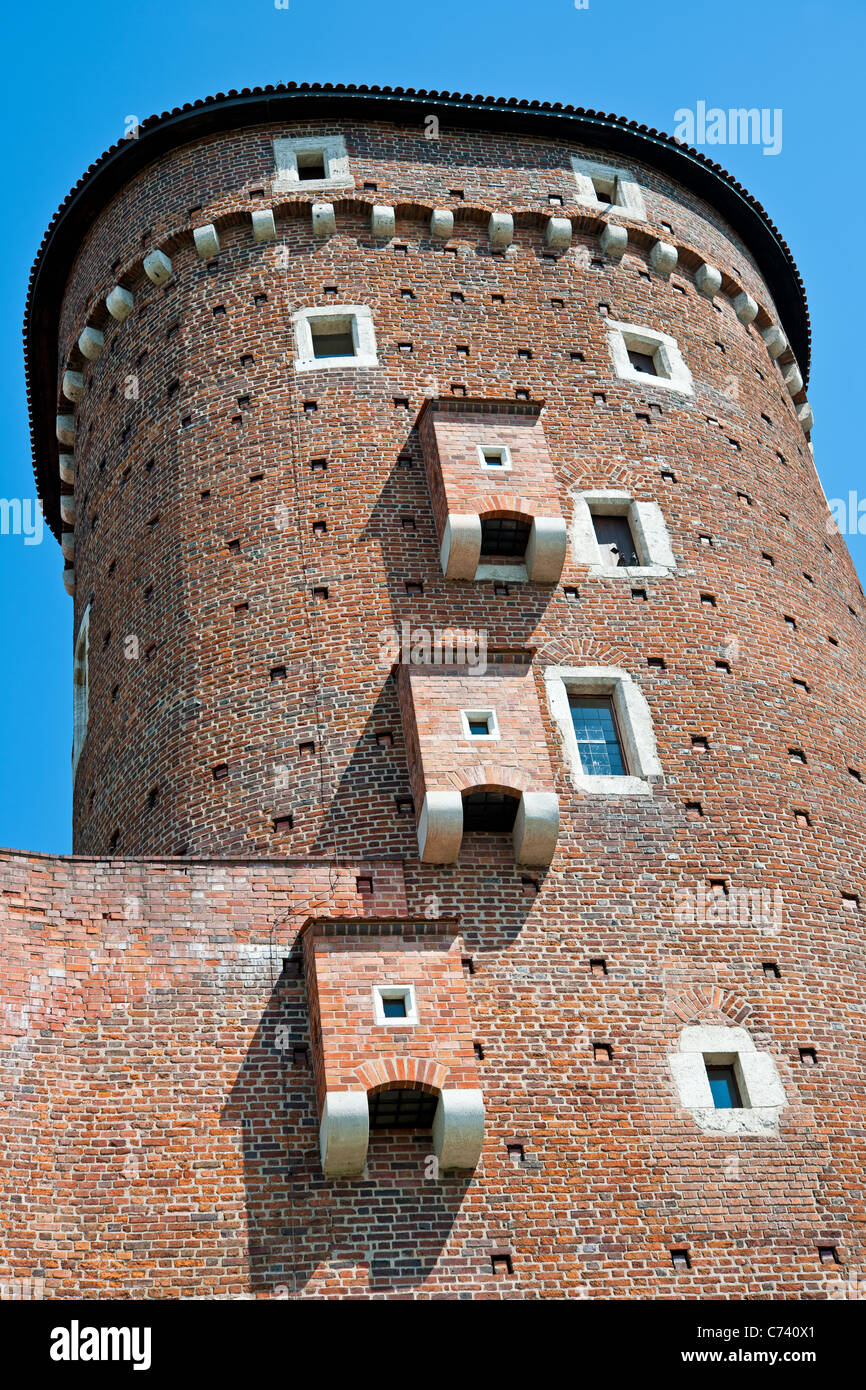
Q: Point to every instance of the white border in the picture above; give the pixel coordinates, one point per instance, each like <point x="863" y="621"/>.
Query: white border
<point x="648" y="529"/>
<point x="756" y="1073"/>
<point x="466" y="715"/>
<point x="503" y="450"/>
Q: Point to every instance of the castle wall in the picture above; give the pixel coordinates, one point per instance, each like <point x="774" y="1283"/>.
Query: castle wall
<point x="247" y="775"/>
<point x="160" y="1106"/>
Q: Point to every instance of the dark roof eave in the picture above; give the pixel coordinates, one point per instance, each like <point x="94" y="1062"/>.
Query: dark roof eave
<point x="272" y="104"/>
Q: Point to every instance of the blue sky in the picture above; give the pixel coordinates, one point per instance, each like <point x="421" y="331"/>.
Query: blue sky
<point x="72" y="78"/>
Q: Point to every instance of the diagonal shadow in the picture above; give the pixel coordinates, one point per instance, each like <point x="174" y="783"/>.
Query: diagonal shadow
<point x="308" y="1235"/>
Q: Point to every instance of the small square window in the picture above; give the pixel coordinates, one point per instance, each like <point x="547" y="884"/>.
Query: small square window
<point x="395" y="1004"/>
<point x="479" y="724"/>
<point x="504" y="539"/>
<point x="494" y="456"/>
<point x="311" y="165"/>
<point x="332" y="338"/>
<point x="605" y="189"/>
<point x="489" y="813"/>
<point x="642" y="362"/>
<point x="608" y="185"/>
<point x="641" y="353"/>
<point x="340" y="337"/>
<point x="311" y="161"/>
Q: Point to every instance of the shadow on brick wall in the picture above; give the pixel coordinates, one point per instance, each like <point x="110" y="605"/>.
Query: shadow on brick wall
<point x="412" y="555"/>
<point x="308" y="1236"/>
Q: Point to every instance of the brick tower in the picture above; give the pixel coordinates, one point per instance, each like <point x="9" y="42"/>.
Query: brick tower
<point x="469" y="754"/>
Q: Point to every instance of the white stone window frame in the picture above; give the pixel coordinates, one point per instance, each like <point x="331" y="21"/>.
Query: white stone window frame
<point x="80" y="688"/>
<point x="468" y="715"/>
<point x="504" y="573"/>
<point x="634" y="726"/>
<point x="673" y="374"/>
<point x="627" y="193"/>
<point x="504" y="466"/>
<point x="335" y="158"/>
<point x="405" y="992"/>
<point x="756" y="1075"/>
<point x="648" y="529"/>
<point x="359" y="316"/>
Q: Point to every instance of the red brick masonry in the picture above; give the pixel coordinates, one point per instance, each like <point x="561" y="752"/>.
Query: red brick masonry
<point x="254" y="765"/>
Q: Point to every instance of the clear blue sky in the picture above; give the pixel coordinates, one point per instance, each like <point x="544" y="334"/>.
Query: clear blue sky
<point x="72" y="76"/>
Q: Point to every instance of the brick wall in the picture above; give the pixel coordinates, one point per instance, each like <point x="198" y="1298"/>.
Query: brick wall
<point x="160" y="1141"/>
<point x="196" y="535"/>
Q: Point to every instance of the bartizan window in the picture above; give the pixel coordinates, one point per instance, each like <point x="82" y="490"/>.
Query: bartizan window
<point x="648" y="357"/>
<point x="616" y="536"/>
<point x="338" y="336"/>
<point x="80" y="689"/>
<point x="316" y="161"/>
<point x="608" y="189"/>
<point x="606" y="729"/>
<point x="727" y="1084"/>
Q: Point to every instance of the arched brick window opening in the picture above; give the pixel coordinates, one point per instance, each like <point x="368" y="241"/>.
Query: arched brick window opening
<point x="504" y="537"/>
<point x="406" y="1106"/>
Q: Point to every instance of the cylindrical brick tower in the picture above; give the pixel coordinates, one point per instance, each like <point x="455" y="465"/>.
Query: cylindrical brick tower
<point x="434" y="483"/>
